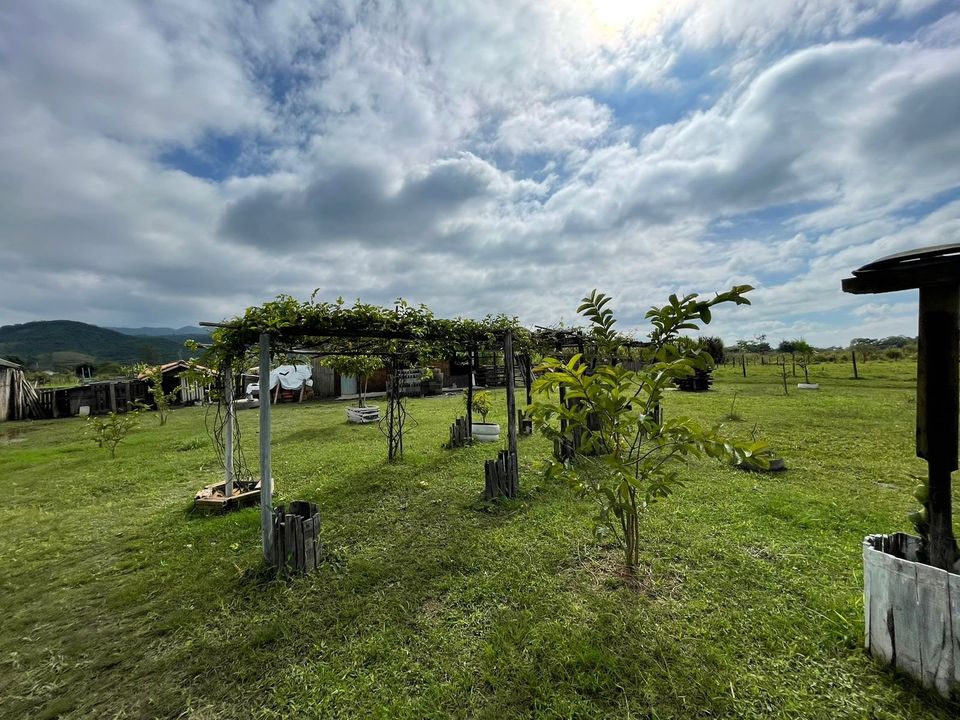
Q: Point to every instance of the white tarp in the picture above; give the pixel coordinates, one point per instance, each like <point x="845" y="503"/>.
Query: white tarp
<point x="290" y="377"/>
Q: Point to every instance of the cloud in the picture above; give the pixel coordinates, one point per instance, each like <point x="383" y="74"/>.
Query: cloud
<point x="129" y="70"/>
<point x="492" y="156"/>
<point x="364" y="204"/>
<point x="555" y="127"/>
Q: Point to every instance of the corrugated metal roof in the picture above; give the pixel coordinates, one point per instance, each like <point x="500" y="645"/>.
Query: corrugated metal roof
<point x="7" y="363"/>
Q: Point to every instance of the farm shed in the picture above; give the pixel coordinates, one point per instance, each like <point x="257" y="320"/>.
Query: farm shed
<point x="173" y="379"/>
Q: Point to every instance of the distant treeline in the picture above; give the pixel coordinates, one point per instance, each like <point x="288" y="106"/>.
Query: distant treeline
<point x="894" y="347"/>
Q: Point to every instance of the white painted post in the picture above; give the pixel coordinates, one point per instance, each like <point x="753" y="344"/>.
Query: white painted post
<point x="228" y="433"/>
<point x="266" y="479"/>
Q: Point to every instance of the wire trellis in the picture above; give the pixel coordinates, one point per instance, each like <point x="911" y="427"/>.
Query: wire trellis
<point x="216" y="429"/>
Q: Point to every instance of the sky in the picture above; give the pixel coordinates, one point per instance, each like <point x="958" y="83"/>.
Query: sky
<point x="166" y="163"/>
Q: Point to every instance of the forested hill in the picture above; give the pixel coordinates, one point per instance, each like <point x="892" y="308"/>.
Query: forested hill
<point x="62" y="344"/>
<point x="180" y="334"/>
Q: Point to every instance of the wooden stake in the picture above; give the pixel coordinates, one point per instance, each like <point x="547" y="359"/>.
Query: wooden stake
<point x="228" y="433"/>
<point x="511" y="393"/>
<point x="470" y="393"/>
<point x="266" y="479"/>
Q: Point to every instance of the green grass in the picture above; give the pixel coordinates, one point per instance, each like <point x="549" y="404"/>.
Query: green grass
<point x="118" y="602"/>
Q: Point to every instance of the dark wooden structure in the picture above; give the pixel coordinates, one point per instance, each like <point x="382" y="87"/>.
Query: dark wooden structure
<point x="699" y="381"/>
<point x="935" y="271"/>
<point x="296" y="544"/>
<point x="99" y="398"/>
<point x="459" y="433"/>
<point x="501" y="476"/>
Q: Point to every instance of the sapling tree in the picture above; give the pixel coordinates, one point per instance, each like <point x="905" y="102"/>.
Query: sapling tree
<point x="360" y="366"/>
<point x="112" y="429"/>
<point x="804" y="352"/>
<point x="482" y="403"/>
<point x="629" y="454"/>
<point x="161" y="400"/>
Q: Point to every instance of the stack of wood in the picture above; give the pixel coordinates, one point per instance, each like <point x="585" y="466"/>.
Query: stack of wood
<point x="502" y="476"/>
<point x="296" y="547"/>
<point x="26" y="402"/>
<point x="459" y="433"/>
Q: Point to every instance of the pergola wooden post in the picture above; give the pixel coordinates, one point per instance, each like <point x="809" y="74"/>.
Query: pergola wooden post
<point x="502" y="476"/>
<point x="470" y="392"/>
<point x="228" y="432"/>
<point x="266" y="477"/>
<point x="511" y="393"/>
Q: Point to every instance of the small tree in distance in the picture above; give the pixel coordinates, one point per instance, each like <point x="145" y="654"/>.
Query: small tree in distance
<point x="714" y="346"/>
<point x="359" y="366"/>
<point x="804" y="352"/>
<point x="110" y="430"/>
<point x="161" y="400"/>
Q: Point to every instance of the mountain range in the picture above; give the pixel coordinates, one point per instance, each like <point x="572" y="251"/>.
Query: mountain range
<point x="64" y="344"/>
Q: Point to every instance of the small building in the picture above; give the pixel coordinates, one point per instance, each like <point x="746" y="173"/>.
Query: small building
<point x="174" y="379"/>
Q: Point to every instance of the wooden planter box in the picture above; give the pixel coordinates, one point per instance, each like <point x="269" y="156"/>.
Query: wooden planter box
<point x="911" y="612"/>
<point x="212" y="497"/>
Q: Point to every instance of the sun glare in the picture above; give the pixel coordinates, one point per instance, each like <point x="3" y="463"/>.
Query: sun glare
<point x="618" y="17"/>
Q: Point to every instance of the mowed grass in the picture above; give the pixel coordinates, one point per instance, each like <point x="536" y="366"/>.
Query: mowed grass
<point x="116" y="601"/>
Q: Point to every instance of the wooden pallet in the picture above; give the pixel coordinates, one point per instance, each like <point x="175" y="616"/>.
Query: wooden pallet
<point x="212" y="498"/>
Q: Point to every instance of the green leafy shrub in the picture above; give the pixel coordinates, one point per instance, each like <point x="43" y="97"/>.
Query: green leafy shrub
<point x="111" y="429"/>
<point x="153" y="374"/>
<point x="482" y="403"/>
<point x="359" y="366"/>
<point x="629" y="455"/>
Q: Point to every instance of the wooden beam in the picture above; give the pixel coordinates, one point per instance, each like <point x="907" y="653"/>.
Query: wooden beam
<point x="266" y="478"/>
<point x="469" y="392"/>
<point x="228" y="432"/>
<point x="511" y="393"/>
<point x="938" y="404"/>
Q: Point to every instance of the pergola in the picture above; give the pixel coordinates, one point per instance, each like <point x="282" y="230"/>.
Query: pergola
<point x="400" y="335"/>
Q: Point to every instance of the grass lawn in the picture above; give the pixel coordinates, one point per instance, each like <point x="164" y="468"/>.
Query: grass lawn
<point x="118" y="602"/>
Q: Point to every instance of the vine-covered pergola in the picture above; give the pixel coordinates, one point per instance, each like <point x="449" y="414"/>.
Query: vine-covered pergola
<point x="403" y="335"/>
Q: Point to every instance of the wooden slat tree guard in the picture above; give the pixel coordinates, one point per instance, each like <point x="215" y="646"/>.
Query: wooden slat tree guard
<point x="459" y="433"/>
<point x="296" y="544"/>
<point x="911" y="585"/>
<point x="501" y="476"/>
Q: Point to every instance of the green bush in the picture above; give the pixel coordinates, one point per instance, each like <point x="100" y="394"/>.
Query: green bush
<point x="482" y="403"/>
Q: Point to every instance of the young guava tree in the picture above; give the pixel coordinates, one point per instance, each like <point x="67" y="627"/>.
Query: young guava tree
<point x="804" y="352"/>
<point x="482" y="404"/>
<point x="112" y="429"/>
<point x="154" y="375"/>
<point x="630" y="454"/>
<point x="361" y="366"/>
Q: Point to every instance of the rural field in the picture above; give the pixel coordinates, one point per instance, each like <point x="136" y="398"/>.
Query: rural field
<point x="119" y="602"/>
